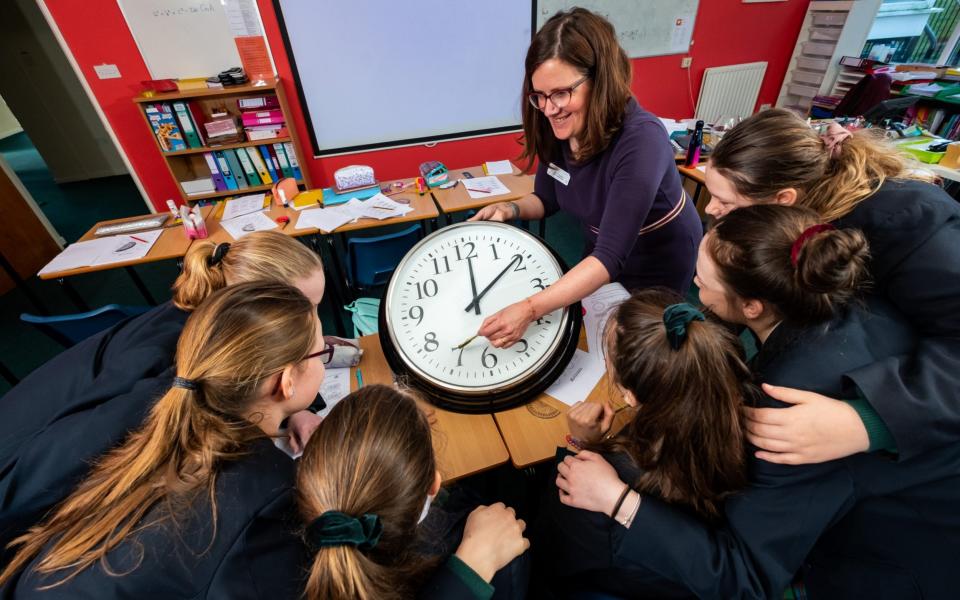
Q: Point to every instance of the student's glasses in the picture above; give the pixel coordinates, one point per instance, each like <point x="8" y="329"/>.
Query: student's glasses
<point x="558" y="98"/>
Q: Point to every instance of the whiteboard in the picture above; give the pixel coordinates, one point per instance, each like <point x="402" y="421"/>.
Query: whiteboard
<point x="181" y="38"/>
<point x="644" y="27"/>
<point x="382" y="73"/>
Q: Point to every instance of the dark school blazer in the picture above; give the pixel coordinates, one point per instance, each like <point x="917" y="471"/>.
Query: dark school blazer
<point x="864" y="526"/>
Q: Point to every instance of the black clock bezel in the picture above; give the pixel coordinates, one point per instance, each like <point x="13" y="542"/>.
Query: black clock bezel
<point x="510" y="396"/>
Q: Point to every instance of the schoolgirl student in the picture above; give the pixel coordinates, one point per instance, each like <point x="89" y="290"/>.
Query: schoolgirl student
<point x="112" y="378"/>
<point x="861" y="526"/>
<point x="365" y="481"/>
<point x="198" y="502"/>
<point x="854" y="180"/>
<point x="685" y="443"/>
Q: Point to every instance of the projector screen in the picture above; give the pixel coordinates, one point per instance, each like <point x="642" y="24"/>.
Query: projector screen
<point x="381" y="73"/>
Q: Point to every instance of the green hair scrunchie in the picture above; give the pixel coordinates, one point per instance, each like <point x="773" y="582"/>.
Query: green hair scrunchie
<point x="334" y="528"/>
<point x="676" y="319"/>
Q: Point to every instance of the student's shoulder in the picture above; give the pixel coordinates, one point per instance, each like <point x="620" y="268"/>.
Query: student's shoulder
<point x="904" y="207"/>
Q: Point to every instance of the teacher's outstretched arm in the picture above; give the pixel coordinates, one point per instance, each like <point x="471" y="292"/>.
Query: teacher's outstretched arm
<point x="529" y="207"/>
<point x="506" y="327"/>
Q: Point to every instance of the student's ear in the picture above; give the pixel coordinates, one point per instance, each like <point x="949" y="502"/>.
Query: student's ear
<point x="287" y="386"/>
<point x="786" y="197"/>
<point x="437" y="480"/>
<point x="752" y="309"/>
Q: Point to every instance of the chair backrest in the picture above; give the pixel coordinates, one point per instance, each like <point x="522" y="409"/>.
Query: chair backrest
<point x="70" y="329"/>
<point x="371" y="260"/>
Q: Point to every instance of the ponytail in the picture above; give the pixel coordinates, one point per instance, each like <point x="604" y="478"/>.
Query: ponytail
<point x="689" y="377"/>
<point x="775" y="150"/>
<point x="259" y="256"/>
<point x="241" y="336"/>
<point x="371" y="457"/>
<point x="786" y="257"/>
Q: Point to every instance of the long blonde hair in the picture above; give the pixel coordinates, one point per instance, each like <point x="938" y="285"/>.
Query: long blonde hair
<point x="371" y="455"/>
<point x="237" y="339"/>
<point x="775" y="149"/>
<point x="260" y="256"/>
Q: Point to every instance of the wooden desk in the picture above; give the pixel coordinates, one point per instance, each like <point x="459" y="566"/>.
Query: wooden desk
<point x="532" y="432"/>
<point x="456" y="199"/>
<point x="464" y="444"/>
<point x="698" y="177"/>
<point x="172" y="243"/>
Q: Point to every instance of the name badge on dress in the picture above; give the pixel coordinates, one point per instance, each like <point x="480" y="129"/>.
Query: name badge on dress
<point x="558" y="174"/>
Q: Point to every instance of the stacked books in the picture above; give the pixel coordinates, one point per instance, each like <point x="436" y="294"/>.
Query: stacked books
<point x="262" y="118"/>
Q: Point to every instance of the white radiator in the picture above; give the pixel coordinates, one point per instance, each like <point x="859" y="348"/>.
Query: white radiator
<point x="730" y="91"/>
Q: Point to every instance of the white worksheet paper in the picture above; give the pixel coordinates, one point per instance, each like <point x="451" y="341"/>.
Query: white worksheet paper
<point x="127" y="247"/>
<point x="74" y="256"/>
<point x="485" y="187"/>
<point x="241" y="226"/>
<point x="243" y="205"/>
<point x="578" y="379"/>
<point x="597" y="308"/>
<point x="499" y="167"/>
<point x="324" y="219"/>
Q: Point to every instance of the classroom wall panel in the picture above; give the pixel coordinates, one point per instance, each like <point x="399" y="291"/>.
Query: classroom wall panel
<point x="726" y="32"/>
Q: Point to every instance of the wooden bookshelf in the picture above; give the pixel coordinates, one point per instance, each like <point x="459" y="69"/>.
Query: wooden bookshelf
<point x="190" y="164"/>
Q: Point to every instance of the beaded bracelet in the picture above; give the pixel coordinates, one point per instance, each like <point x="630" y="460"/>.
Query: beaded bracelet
<point x="616" y="507"/>
<point x="572" y="441"/>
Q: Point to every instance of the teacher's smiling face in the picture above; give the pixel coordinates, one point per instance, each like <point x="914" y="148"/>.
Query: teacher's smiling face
<point x="564" y="97"/>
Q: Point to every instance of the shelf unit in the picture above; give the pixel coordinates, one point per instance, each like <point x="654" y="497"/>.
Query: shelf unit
<point x="190" y="164"/>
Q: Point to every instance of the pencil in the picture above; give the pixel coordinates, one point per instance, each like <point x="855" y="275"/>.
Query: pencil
<point x="138" y="239"/>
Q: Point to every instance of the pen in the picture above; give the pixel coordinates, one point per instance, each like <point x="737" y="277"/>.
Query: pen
<point x="138" y="239"/>
<point x="359" y="379"/>
<point x="476" y="190"/>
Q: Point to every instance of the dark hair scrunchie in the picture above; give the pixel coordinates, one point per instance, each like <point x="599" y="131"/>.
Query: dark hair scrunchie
<point x="218" y="253"/>
<point x="334" y="528"/>
<point x="676" y="319"/>
<point x="187" y="384"/>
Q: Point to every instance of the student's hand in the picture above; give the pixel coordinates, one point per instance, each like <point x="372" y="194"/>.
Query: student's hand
<point x="589" y="421"/>
<point x="587" y="481"/>
<point x="492" y="537"/>
<point x="814" y="430"/>
<point x="505" y="328"/>
<point x="500" y="212"/>
<point x="301" y="426"/>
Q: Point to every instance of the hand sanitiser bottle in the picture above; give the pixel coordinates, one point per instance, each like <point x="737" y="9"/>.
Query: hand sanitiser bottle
<point x="693" y="149"/>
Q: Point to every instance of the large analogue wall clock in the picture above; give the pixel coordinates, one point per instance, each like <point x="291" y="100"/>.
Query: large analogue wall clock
<point x="441" y="292"/>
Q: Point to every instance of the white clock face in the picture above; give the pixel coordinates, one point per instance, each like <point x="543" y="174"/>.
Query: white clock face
<point x="449" y="283"/>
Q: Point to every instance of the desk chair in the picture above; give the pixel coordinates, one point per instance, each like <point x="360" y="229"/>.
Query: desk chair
<point x="371" y="260"/>
<point x="70" y="329"/>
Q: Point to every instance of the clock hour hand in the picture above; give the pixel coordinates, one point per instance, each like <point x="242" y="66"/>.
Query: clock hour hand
<point x="476" y="301"/>
<point x="473" y="287"/>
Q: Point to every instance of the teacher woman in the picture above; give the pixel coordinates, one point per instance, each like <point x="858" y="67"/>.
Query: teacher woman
<point x="603" y="159"/>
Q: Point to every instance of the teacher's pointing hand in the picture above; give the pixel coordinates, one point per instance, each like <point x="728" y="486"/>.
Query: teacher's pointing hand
<point x="506" y="327"/>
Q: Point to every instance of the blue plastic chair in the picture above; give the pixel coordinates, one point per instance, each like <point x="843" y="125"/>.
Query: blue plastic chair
<point x="70" y="329"/>
<point x="371" y="260"/>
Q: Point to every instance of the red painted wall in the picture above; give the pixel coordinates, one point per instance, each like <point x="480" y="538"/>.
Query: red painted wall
<point x="726" y="32"/>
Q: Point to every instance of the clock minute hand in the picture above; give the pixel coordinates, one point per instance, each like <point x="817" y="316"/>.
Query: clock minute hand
<point x="473" y="288"/>
<point x="476" y="301"/>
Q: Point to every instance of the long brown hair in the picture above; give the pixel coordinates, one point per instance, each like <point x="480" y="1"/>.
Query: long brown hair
<point x="236" y="340"/>
<point x="371" y="455"/>
<point x="260" y="256"/>
<point x="688" y="434"/>
<point x="753" y="247"/>
<point x="587" y="42"/>
<point x="775" y="149"/>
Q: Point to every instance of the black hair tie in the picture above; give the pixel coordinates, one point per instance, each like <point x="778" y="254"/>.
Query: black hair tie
<point x="187" y="384"/>
<point x="218" y="253"/>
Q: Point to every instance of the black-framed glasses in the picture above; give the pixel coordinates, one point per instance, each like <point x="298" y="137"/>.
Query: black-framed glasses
<point x="326" y="355"/>
<point x="558" y="98"/>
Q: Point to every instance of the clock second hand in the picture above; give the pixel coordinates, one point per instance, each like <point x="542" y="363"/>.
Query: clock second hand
<point x="466" y="342"/>
<point x="476" y="301"/>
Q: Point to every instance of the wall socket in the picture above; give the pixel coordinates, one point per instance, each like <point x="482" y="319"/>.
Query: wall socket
<point x="765" y="106"/>
<point x="685" y="62"/>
